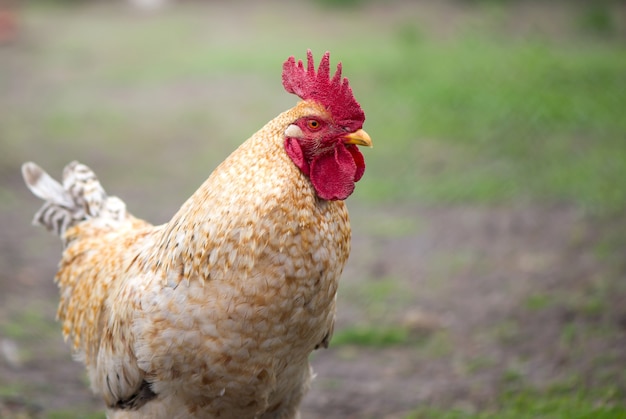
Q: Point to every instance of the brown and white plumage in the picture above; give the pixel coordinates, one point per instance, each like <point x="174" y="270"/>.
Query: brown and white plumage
<point x="213" y="314"/>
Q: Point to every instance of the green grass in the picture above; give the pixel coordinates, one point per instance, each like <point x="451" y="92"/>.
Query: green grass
<point x="532" y="404"/>
<point x="371" y="336"/>
<point x="477" y="118"/>
<point x="72" y="414"/>
<point x="28" y="323"/>
<point x="482" y="120"/>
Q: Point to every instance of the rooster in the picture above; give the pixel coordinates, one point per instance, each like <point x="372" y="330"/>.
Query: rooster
<point x="215" y="313"/>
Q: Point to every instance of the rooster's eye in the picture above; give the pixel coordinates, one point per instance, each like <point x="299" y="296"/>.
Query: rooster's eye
<point x="313" y="124"/>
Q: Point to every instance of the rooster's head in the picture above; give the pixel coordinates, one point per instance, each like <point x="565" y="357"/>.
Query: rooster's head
<point x="322" y="141"/>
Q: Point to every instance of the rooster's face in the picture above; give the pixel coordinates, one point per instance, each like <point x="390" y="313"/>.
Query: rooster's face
<point x="326" y="129"/>
<point x="326" y="152"/>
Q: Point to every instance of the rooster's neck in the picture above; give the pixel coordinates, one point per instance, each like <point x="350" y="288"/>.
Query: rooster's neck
<point x="255" y="196"/>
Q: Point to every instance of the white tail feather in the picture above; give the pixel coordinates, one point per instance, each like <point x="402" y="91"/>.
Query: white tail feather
<point x="43" y="186"/>
<point x="81" y="197"/>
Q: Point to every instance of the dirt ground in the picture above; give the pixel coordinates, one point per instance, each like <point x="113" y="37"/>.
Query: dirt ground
<point x="492" y="298"/>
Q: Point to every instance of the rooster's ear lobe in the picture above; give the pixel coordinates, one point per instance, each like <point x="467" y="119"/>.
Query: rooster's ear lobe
<point x="294" y="131"/>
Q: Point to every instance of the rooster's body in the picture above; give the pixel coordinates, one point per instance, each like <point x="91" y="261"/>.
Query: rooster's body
<point x="213" y="314"/>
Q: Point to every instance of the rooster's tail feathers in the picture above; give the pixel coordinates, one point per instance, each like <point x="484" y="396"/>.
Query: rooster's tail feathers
<point x="81" y="197"/>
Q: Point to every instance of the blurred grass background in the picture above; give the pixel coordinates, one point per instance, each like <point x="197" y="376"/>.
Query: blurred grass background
<point x="466" y="107"/>
<point x="470" y="103"/>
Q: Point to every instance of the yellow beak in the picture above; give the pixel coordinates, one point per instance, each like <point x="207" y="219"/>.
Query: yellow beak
<point x="358" y="137"/>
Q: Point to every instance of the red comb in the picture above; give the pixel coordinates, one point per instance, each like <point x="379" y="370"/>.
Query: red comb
<point x="334" y="94"/>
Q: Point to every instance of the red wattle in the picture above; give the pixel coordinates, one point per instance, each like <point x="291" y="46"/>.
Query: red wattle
<point x="333" y="174"/>
<point x="295" y="153"/>
<point x="358" y="160"/>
